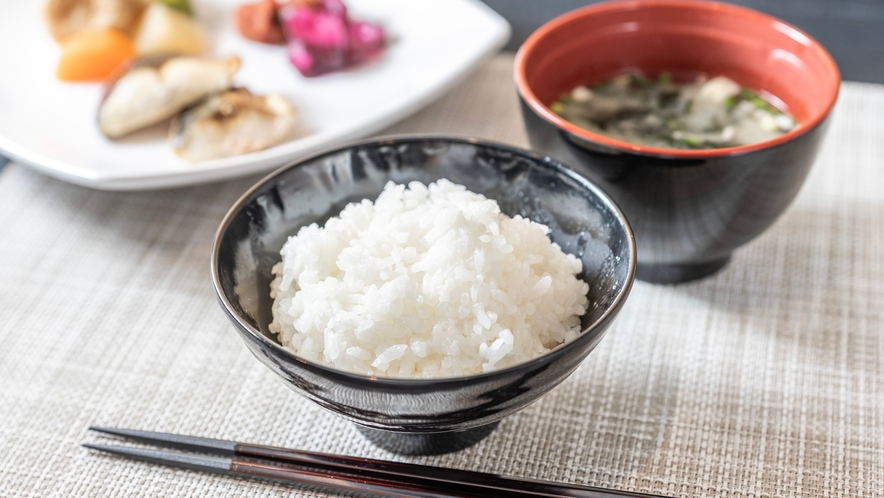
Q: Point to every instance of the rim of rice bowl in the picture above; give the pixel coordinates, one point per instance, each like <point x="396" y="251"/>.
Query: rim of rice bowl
<point x="437" y="383"/>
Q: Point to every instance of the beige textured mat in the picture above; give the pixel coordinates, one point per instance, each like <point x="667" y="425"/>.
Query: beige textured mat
<point x="765" y="380"/>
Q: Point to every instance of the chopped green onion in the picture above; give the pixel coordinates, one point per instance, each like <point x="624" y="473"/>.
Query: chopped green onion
<point x="759" y="102"/>
<point x="691" y="141"/>
<point x="665" y="78"/>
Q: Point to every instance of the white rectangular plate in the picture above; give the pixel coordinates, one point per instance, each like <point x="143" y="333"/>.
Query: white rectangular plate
<point x="51" y="125"/>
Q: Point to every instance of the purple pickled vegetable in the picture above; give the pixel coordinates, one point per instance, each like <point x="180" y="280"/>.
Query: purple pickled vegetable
<point x="336" y="7"/>
<point x="300" y="57"/>
<point x="322" y="39"/>
<point x="366" y="41"/>
<point x="318" y="39"/>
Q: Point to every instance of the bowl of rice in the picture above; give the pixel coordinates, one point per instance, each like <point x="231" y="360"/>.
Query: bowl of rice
<point x="423" y="287"/>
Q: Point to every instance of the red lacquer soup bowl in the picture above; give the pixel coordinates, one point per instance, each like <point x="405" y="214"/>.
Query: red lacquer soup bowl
<point x="689" y="208"/>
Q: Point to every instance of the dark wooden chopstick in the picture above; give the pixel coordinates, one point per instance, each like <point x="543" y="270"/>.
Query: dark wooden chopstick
<point x="341" y="472"/>
<point x="233" y="467"/>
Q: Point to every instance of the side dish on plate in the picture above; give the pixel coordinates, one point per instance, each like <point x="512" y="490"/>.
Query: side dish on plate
<point x="427" y="281"/>
<point x="154" y="89"/>
<point x="98" y="36"/>
<point x="320" y="36"/>
<point x="434" y="46"/>
<point x="700" y="113"/>
<point x="231" y="122"/>
<point x="149" y="54"/>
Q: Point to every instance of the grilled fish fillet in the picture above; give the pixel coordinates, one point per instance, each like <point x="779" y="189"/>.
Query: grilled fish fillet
<point x="230" y="123"/>
<point x="155" y="89"/>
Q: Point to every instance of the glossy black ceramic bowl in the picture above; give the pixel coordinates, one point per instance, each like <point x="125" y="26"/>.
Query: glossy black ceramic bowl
<point x="689" y="208"/>
<point x="421" y="416"/>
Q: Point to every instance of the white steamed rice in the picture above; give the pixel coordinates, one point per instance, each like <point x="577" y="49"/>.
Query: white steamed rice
<point x="425" y="282"/>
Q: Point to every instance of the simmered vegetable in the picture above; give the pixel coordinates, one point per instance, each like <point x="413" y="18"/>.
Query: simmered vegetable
<point x="69" y="17"/>
<point x="168" y="30"/>
<point x="702" y="114"/>
<point x="182" y="5"/>
<point x="93" y="55"/>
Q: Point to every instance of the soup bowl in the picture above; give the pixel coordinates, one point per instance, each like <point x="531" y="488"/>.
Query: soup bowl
<point x="421" y="416"/>
<point x="689" y="208"/>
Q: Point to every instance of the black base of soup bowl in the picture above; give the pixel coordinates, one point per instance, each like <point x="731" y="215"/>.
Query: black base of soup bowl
<point x="688" y="215"/>
<point x="582" y="220"/>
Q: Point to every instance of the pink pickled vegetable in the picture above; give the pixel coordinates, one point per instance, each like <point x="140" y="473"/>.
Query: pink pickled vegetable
<point x="366" y="41"/>
<point x="301" y="58"/>
<point x="318" y="39"/>
<point x="322" y="39"/>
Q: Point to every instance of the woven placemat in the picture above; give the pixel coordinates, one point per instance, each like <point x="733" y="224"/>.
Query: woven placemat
<point x="764" y="380"/>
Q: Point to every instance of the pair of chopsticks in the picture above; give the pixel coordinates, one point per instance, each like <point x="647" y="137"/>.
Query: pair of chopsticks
<point x="342" y="473"/>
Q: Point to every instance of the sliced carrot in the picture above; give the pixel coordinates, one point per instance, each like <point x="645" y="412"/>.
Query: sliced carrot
<point x="93" y="55"/>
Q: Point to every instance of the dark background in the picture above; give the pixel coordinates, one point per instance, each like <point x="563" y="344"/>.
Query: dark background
<point x="852" y="30"/>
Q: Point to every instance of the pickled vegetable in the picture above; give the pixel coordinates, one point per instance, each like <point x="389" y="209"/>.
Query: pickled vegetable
<point x="260" y="22"/>
<point x="322" y="38"/>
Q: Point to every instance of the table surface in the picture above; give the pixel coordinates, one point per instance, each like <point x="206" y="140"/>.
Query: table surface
<point x="764" y="380"/>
